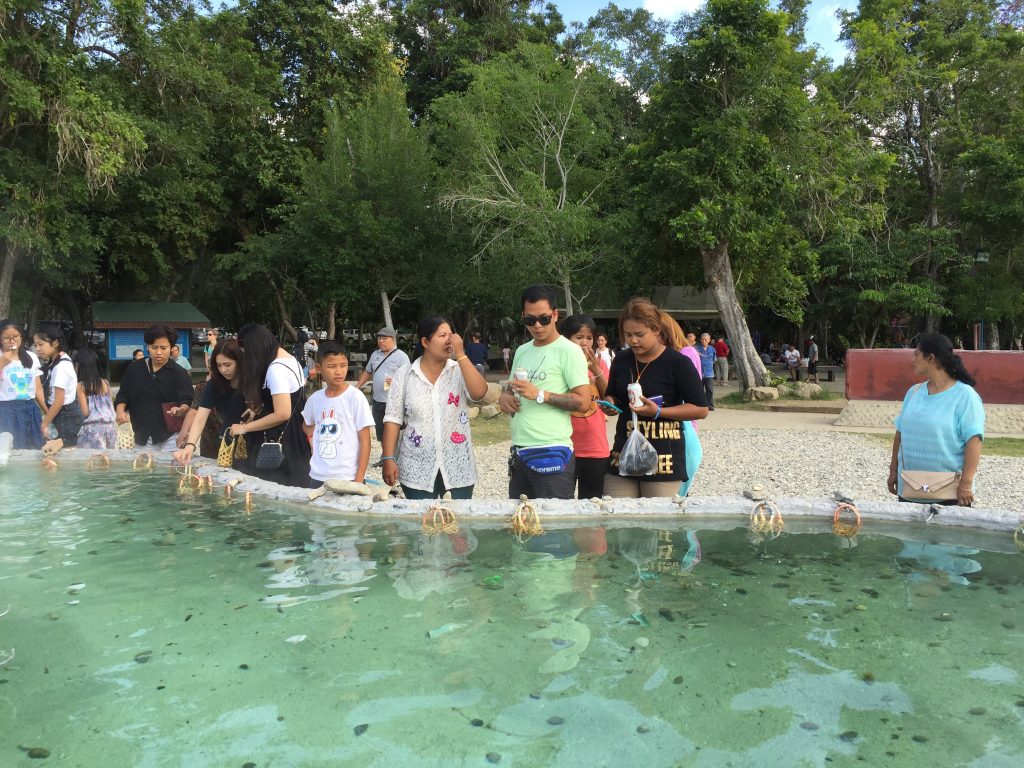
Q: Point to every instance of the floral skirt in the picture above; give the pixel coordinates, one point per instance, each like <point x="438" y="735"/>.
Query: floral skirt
<point x="98" y="434"/>
<point x="23" y="420"/>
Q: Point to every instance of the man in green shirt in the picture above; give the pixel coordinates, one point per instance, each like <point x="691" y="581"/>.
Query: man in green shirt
<point x="556" y="384"/>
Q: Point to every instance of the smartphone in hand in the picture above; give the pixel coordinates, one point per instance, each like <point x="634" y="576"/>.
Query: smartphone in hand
<point x="606" y="404"/>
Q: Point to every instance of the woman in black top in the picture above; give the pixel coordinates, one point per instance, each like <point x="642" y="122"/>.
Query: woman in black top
<point x="662" y="373"/>
<point x="221" y="400"/>
<point x="274" y="389"/>
<point x="150" y="388"/>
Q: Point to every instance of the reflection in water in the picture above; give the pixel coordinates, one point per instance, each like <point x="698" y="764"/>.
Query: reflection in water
<point x="438" y="563"/>
<point x="945" y="558"/>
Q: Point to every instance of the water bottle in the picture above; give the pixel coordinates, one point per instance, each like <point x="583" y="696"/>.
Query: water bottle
<point x="6" y="446"/>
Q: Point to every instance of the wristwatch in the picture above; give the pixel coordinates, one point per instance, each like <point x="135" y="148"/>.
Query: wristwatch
<point x="540" y="397"/>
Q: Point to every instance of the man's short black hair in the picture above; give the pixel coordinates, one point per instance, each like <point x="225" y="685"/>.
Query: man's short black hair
<point x="160" y="331"/>
<point x="540" y="293"/>
<point x="332" y="348"/>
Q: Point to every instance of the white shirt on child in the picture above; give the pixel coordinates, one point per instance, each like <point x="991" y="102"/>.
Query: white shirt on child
<point x="336" y="423"/>
<point x="63" y="376"/>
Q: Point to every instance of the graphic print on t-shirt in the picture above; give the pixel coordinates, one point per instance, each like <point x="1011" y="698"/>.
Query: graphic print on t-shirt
<point x="18" y="382"/>
<point x="329" y="433"/>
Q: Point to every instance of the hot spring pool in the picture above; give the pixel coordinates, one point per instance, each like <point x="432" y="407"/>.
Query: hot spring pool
<point x="153" y="629"/>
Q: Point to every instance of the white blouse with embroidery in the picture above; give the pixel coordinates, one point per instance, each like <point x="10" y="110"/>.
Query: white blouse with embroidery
<point x="436" y="437"/>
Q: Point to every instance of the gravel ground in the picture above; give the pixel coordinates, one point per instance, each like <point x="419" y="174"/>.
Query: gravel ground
<point x="791" y="463"/>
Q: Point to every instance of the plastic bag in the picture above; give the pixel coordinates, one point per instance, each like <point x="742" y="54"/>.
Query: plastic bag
<point x="638" y="456"/>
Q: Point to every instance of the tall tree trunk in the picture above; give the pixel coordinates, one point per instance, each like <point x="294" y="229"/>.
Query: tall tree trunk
<point x="386" y="306"/>
<point x="749" y="367"/>
<point x="993" y="335"/>
<point x="71" y="307"/>
<point x="332" y="310"/>
<point x="567" y="289"/>
<point x="874" y="336"/>
<point x="283" y="312"/>
<point x="11" y="253"/>
<point x="33" y="309"/>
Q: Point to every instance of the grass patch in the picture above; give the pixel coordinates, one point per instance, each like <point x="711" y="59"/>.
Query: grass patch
<point x="992" y="446"/>
<point x="735" y="401"/>
<point x="492" y="431"/>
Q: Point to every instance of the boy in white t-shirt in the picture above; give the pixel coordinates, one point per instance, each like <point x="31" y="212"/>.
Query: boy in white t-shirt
<point x="338" y="418"/>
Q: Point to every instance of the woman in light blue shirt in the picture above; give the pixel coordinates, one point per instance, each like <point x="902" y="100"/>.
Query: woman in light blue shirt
<point x="942" y="423"/>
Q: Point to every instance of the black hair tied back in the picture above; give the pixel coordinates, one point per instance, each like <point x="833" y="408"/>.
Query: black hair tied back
<point x="941" y="348"/>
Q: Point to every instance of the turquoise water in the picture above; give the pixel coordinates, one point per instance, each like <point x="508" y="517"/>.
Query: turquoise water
<point x="155" y="629"/>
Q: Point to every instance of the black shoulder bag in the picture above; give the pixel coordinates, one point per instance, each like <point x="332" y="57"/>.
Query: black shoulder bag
<point x="271" y="453"/>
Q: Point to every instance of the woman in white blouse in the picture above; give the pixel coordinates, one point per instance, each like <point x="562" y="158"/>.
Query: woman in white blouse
<point x="431" y="398"/>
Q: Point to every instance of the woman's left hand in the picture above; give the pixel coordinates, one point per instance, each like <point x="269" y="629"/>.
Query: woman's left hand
<point x="648" y="408"/>
<point x="964" y="496"/>
<point x="45" y="428"/>
<point x="390" y="472"/>
<point x="237" y="429"/>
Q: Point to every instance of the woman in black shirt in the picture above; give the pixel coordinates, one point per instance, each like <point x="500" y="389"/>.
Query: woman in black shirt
<point x="662" y="373"/>
<point x="274" y="389"/>
<point x="151" y="389"/>
<point x="221" y="398"/>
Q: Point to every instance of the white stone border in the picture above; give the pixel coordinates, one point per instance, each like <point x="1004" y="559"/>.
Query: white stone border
<point x="808" y="514"/>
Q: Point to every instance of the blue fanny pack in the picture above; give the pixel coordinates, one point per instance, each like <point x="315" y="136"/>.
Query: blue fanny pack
<point x="546" y="460"/>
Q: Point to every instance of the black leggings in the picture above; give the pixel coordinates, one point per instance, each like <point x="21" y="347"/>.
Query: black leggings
<point x="590" y="477"/>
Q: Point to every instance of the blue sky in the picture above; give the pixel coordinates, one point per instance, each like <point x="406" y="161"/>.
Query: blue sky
<point x="822" y="26"/>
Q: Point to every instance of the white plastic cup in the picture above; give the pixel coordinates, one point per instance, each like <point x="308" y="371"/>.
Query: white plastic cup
<point x="520" y="374"/>
<point x="635" y="392"/>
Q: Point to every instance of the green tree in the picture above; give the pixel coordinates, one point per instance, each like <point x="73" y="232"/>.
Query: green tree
<point x="526" y="149"/>
<point x="63" y="137"/>
<point x="631" y="42"/>
<point x="440" y="39"/>
<point x="914" y="66"/>
<point x="726" y="162"/>
<point x="359" y="223"/>
<point x="205" y="105"/>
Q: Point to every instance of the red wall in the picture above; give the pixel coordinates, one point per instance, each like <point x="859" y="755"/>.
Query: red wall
<point x="887" y="374"/>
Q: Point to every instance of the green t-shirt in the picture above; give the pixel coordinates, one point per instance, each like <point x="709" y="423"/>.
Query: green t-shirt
<point x="556" y="367"/>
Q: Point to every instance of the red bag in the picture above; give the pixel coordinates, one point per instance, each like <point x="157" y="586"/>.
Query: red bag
<point x="171" y="422"/>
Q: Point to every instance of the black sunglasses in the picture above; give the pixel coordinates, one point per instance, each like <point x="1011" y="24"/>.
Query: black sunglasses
<point x="530" y="320"/>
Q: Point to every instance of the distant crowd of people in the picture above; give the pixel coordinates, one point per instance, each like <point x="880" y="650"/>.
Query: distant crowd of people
<point x="562" y="386"/>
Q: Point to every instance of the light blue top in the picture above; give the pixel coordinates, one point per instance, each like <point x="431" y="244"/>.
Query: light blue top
<point x="935" y="428"/>
<point x="707" y="360"/>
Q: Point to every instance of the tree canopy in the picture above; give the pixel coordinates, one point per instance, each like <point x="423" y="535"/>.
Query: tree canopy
<point x="341" y="164"/>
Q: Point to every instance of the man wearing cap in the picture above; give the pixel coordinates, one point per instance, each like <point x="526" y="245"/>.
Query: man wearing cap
<point x="383" y="366"/>
<point x="812" y="360"/>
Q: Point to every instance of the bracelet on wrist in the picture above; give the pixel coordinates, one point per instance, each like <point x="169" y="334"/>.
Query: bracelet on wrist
<point x="657" y="414"/>
<point x="186" y="445"/>
<point x="461" y="358"/>
<point x="389" y="458"/>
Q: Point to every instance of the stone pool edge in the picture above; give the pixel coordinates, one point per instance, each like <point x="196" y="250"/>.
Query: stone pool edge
<point x="818" y="509"/>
